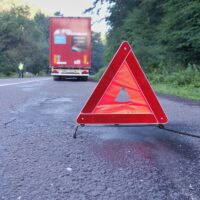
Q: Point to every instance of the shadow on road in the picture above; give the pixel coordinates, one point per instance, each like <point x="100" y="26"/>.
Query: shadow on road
<point x="122" y="146"/>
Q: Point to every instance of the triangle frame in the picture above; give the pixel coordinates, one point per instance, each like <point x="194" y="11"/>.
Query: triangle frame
<point x="126" y="54"/>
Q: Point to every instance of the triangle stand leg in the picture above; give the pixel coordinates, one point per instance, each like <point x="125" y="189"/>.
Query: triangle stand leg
<point x="161" y="126"/>
<point x="76" y="130"/>
<point x="75" y="133"/>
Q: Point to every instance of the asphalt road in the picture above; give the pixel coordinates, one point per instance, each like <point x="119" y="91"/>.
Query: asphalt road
<point x="39" y="159"/>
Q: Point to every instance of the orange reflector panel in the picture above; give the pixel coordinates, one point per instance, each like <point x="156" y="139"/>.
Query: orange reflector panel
<point x="55" y="59"/>
<point x="135" y="104"/>
<point x="85" y="59"/>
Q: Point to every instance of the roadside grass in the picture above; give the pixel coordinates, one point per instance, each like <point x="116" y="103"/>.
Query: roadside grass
<point x="98" y="75"/>
<point x="26" y="75"/>
<point x="3" y="76"/>
<point x="188" y="92"/>
<point x="185" y="83"/>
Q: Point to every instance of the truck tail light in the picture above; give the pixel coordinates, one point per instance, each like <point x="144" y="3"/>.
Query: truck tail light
<point x="54" y="71"/>
<point x="85" y="72"/>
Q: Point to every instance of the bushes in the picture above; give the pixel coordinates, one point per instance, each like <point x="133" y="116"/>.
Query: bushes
<point x="189" y="76"/>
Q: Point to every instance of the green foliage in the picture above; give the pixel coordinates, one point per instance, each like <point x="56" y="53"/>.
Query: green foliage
<point x="99" y="74"/>
<point x="42" y="23"/>
<point x="23" y="39"/>
<point x="190" y="76"/>
<point x="187" y="92"/>
<point x="97" y="52"/>
<point x="165" y="36"/>
<point x="180" y="30"/>
<point x="158" y="30"/>
<point x="58" y="13"/>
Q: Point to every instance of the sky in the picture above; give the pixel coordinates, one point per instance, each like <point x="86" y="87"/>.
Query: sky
<point x="74" y="8"/>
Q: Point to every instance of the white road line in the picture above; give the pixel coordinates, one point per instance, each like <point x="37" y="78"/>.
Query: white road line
<point x="9" y="84"/>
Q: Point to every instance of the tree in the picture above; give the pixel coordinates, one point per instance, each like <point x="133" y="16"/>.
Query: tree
<point x="42" y="23"/>
<point x="97" y="52"/>
<point x="23" y="39"/>
<point x="58" y="13"/>
<point x="180" y="30"/>
<point x="161" y="32"/>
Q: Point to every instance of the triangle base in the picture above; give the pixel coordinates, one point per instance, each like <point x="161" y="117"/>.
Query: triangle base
<point x="117" y="119"/>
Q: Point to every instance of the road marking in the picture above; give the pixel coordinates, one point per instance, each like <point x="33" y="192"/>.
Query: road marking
<point x="9" y="84"/>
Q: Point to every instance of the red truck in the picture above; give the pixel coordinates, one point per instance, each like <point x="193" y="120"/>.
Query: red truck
<point x="70" y="47"/>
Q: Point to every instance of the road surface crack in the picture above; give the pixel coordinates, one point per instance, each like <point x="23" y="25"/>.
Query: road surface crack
<point x="9" y="122"/>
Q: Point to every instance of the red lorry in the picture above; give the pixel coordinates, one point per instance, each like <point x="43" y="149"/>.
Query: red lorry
<point x="70" y="47"/>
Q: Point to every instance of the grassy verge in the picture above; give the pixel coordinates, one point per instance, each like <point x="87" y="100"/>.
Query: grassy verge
<point x="26" y="75"/>
<point x="98" y="75"/>
<point x="188" y="92"/>
<point x="2" y="76"/>
<point x="184" y="84"/>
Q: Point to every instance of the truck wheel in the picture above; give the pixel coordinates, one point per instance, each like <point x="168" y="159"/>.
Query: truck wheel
<point x="84" y="78"/>
<point x="57" y="78"/>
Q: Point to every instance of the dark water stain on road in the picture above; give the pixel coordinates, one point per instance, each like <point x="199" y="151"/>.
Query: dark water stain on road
<point x="47" y="109"/>
<point x="123" y="146"/>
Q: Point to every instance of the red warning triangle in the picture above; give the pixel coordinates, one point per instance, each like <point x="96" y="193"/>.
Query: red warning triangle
<point x="123" y="95"/>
